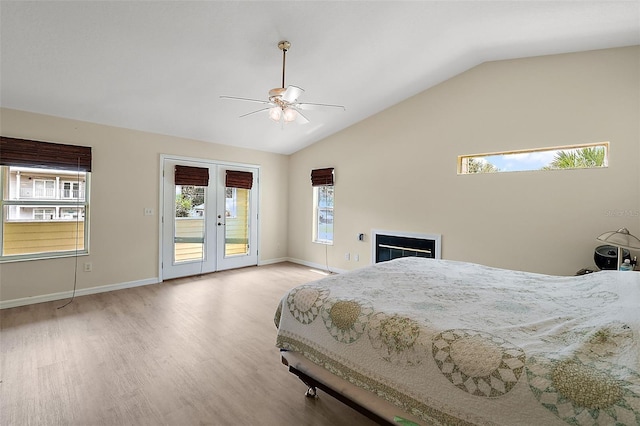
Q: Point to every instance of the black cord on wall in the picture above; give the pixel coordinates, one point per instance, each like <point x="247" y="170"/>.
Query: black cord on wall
<point x="75" y="269"/>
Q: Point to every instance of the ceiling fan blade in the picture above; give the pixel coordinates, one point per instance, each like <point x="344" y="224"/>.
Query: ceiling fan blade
<point x="255" y="112"/>
<point x="311" y="106"/>
<point x="292" y="94"/>
<point x="300" y="118"/>
<point x="245" y="99"/>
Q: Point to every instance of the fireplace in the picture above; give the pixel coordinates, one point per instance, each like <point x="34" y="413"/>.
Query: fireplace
<point x="387" y="245"/>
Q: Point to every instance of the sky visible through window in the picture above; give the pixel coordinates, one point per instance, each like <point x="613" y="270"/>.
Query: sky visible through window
<point x="521" y="161"/>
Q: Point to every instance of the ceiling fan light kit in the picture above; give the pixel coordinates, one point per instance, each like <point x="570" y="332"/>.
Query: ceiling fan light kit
<point x="282" y="104"/>
<point x="275" y="113"/>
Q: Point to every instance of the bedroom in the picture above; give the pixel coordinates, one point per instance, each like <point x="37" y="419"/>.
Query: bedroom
<point x="535" y="221"/>
<point x="539" y="222"/>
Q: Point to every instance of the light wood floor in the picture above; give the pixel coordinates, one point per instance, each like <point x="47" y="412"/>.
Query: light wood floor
<point x="192" y="351"/>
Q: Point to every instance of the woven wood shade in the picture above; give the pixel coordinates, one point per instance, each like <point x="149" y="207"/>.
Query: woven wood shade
<point x="46" y="155"/>
<point x="322" y="177"/>
<point x="238" y="179"/>
<point x="196" y="176"/>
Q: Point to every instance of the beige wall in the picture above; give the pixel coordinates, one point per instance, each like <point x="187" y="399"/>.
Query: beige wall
<point x="397" y="169"/>
<point x="125" y="180"/>
<point x="394" y="171"/>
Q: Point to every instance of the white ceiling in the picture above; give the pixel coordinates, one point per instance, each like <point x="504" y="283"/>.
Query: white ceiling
<point x="162" y="66"/>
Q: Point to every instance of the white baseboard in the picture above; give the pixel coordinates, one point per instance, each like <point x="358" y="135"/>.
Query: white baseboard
<point x="272" y="261"/>
<point x="5" y="304"/>
<point x="319" y="266"/>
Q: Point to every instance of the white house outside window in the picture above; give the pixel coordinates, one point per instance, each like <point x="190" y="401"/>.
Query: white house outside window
<point x="43" y="214"/>
<point x="70" y="189"/>
<point x="44" y="188"/>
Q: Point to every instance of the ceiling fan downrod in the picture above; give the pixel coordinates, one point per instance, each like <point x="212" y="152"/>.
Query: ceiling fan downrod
<point x="284" y="46"/>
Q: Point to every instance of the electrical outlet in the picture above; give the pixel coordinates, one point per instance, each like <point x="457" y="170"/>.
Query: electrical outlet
<point x="148" y="211"/>
<point x="347" y="256"/>
<point x="357" y="258"/>
<point x="88" y="267"/>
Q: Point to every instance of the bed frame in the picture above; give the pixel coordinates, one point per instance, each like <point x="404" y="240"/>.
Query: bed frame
<point x="382" y="412"/>
<point x="314" y="384"/>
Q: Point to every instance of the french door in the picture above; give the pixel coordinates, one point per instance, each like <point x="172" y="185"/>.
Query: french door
<point x="206" y="225"/>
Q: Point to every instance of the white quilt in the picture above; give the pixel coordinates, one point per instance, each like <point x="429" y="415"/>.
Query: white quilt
<point x="459" y="343"/>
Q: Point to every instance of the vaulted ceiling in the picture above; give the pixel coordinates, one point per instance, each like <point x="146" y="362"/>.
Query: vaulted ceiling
<point x="161" y="66"/>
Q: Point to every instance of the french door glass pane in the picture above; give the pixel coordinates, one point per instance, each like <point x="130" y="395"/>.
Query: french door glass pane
<point x="236" y="230"/>
<point x="189" y="234"/>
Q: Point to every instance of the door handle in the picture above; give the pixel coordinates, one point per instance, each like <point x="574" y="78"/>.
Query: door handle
<point x="220" y="223"/>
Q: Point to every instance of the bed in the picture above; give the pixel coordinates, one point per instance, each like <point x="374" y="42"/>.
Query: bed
<point x="431" y="341"/>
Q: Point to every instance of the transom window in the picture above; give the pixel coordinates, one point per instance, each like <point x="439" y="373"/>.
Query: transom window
<point x="585" y="156"/>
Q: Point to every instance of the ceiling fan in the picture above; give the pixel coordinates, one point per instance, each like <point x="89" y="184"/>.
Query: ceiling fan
<point x="282" y="104"/>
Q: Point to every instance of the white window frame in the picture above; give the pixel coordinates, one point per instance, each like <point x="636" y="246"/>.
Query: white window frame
<point x="316" y="216"/>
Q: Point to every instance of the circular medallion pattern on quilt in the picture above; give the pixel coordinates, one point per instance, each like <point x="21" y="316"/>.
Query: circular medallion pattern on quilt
<point x="477" y="362"/>
<point x="305" y="303"/>
<point x="345" y="320"/>
<point x="397" y="339"/>
<point x="583" y="391"/>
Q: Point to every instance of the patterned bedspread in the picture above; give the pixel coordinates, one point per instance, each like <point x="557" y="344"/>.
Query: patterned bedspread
<point x="459" y="343"/>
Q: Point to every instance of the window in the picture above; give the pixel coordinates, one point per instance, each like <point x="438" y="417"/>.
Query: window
<point x="323" y="198"/>
<point x="323" y="214"/>
<point x="44" y="222"/>
<point x="43" y="188"/>
<point x="44" y="199"/>
<point x="70" y="189"/>
<point x="584" y="156"/>
<point x="43" y="214"/>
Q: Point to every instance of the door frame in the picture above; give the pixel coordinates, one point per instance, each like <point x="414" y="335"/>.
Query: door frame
<point x="208" y="162"/>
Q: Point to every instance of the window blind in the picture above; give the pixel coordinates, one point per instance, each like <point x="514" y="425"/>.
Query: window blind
<point x="196" y="176"/>
<point x="238" y="179"/>
<point x="46" y="155"/>
<point x="322" y="177"/>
